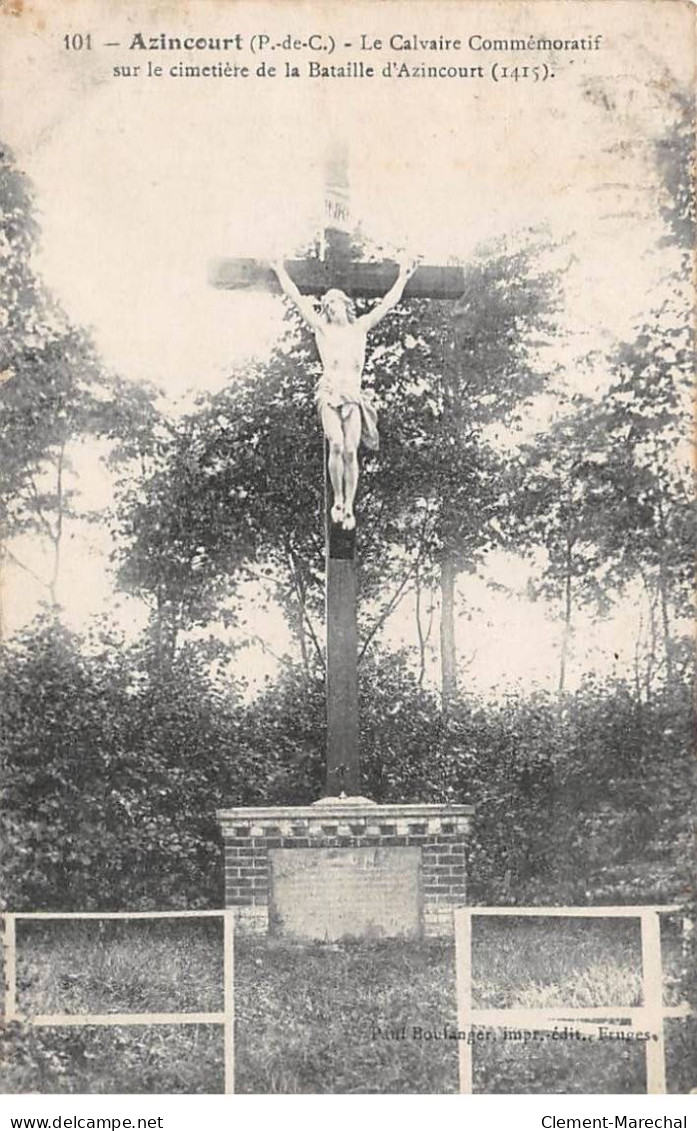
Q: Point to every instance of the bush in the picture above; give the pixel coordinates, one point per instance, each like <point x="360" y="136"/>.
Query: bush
<point x="111" y="776"/>
<point x="112" y="772"/>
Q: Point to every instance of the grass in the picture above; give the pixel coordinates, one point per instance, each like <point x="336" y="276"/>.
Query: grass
<point x="101" y="966"/>
<point x="308" y="1018"/>
<point x="528" y="964"/>
<point x="326" y="1018"/>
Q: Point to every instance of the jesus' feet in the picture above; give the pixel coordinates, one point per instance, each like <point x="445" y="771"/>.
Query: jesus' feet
<point x="337" y="513"/>
<point x="349" y="520"/>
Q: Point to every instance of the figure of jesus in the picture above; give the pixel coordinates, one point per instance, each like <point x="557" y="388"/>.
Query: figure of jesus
<point x="346" y="411"/>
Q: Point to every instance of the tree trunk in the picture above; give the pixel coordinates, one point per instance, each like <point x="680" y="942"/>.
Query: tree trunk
<point x="297" y="609"/>
<point x="56" y="534"/>
<point x="651" y="658"/>
<point x="448" y="572"/>
<point x="162" y="633"/>
<point x="663" y="587"/>
<point x="59" y="528"/>
<point x="665" y="620"/>
<point x="448" y="654"/>
<point x="566" y="637"/>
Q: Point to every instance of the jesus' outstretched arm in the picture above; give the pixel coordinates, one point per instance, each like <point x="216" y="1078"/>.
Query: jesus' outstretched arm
<point x="289" y="288"/>
<point x="368" y="321"/>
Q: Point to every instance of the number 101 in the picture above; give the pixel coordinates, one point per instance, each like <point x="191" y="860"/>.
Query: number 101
<point x="77" y="42"/>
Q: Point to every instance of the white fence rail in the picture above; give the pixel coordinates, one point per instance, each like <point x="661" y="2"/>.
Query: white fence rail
<point x="226" y="1017"/>
<point x="650" y="1016"/>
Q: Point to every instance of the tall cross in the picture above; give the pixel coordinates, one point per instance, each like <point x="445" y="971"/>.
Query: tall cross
<point x="335" y="267"/>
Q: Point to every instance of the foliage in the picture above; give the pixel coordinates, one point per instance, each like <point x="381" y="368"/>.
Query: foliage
<point x="674" y="151"/>
<point x="112" y="777"/>
<point x="110" y="780"/>
<point x="22" y="299"/>
<point x="565" y="814"/>
<point x="588" y="805"/>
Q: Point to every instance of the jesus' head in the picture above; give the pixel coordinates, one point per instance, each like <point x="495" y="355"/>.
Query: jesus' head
<point x="337" y="307"/>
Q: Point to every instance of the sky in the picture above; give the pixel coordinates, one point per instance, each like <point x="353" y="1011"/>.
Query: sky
<point x="140" y="184"/>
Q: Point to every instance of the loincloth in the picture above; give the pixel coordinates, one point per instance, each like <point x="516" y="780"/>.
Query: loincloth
<point x="328" y="396"/>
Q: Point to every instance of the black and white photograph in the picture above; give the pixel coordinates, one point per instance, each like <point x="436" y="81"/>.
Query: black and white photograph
<point x="347" y="548"/>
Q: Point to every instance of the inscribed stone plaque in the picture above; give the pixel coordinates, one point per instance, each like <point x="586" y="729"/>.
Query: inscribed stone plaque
<point x="330" y="893"/>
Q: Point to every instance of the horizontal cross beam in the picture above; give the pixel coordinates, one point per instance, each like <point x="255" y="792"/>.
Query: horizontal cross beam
<point x="360" y="280"/>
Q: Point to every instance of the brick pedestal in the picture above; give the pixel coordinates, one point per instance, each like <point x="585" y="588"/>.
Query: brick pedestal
<point x="383" y="870"/>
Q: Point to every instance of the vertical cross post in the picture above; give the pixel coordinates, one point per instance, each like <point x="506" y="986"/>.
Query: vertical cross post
<point x="342" y="766"/>
<point x="334" y="267"/>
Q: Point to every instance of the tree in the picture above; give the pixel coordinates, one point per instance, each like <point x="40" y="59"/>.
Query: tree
<point x="608" y="490"/>
<point x="561" y="501"/>
<point x="53" y="391"/>
<point x="213" y="508"/>
<point x="454" y="371"/>
<point x="47" y="406"/>
<point x="648" y="420"/>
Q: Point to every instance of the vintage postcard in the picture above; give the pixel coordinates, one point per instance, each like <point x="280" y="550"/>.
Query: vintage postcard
<point x="348" y="543"/>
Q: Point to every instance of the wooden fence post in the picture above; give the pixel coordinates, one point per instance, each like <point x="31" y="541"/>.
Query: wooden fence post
<point x="463" y="974"/>
<point x="229" y="999"/>
<point x="652" y="986"/>
<point x="9" y="942"/>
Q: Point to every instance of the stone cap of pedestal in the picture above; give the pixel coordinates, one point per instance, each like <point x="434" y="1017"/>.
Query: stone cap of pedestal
<point x="345" y="811"/>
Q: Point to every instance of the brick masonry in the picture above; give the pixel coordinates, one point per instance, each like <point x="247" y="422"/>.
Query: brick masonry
<point x="438" y="831"/>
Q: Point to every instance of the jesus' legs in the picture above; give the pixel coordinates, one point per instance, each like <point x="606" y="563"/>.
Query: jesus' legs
<point x="352" y="436"/>
<point x="336" y="475"/>
<point x="331" y="422"/>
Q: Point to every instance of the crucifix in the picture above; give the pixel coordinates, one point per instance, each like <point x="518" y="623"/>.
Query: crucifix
<point x="335" y="272"/>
